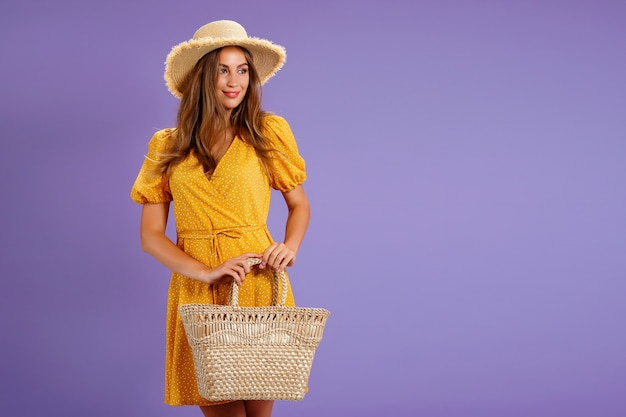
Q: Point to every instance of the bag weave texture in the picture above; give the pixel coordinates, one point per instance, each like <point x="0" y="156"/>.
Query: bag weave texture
<point x="253" y="353"/>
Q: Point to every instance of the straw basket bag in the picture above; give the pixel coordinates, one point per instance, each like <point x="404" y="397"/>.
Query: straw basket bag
<point x="253" y="353"/>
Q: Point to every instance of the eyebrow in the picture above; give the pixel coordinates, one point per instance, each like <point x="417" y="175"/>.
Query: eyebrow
<point x="240" y="65"/>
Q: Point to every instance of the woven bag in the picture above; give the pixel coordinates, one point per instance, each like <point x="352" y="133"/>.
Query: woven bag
<point x="253" y="353"/>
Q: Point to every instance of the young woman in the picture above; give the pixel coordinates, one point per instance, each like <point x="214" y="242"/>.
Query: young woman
<point x="218" y="166"/>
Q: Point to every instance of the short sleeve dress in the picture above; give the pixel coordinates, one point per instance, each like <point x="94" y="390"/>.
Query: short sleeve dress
<point x="217" y="219"/>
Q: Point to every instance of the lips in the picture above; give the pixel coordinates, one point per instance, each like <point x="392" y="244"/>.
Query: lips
<point x="231" y="94"/>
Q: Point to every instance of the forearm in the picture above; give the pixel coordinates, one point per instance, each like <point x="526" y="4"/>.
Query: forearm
<point x="172" y="257"/>
<point x="280" y="255"/>
<point x="155" y="242"/>
<point x="297" y="224"/>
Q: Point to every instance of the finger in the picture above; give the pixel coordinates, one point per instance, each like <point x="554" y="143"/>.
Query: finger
<point x="279" y="261"/>
<point x="250" y="262"/>
<point x="265" y="259"/>
<point x="242" y="270"/>
<point x="288" y="258"/>
<point x="235" y="277"/>
<point x="282" y="258"/>
<point x="237" y="273"/>
<point x="273" y="260"/>
<point x="245" y="266"/>
<point x="251" y="255"/>
<point x="285" y="262"/>
<point x="250" y="259"/>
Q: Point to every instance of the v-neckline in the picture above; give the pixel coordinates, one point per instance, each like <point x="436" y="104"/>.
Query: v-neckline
<point x="219" y="162"/>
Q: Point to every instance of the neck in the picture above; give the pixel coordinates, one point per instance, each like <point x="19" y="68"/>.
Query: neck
<point x="227" y="115"/>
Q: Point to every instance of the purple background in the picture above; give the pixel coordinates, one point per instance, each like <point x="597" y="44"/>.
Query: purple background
<point x="466" y="168"/>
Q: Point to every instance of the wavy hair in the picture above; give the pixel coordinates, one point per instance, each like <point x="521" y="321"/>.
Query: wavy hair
<point x="201" y="118"/>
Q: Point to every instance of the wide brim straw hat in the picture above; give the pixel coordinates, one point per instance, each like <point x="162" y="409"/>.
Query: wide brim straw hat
<point x="268" y="57"/>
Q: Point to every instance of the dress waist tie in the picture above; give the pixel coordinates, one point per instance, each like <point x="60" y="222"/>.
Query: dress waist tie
<point x="212" y="236"/>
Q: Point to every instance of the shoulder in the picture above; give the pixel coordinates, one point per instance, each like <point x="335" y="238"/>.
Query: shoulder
<point x="163" y="135"/>
<point x="278" y="130"/>
<point x="279" y="134"/>
<point x="159" y="143"/>
<point x="161" y="138"/>
<point x="275" y="123"/>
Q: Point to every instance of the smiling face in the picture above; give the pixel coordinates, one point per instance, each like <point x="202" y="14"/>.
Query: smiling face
<point x="233" y="77"/>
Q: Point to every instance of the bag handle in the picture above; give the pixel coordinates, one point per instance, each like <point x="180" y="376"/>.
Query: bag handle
<point x="278" y="276"/>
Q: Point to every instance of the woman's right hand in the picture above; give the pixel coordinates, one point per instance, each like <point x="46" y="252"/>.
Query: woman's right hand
<point x="232" y="269"/>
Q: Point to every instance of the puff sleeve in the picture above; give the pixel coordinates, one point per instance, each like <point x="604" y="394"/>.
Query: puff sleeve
<point x="288" y="167"/>
<point x="150" y="187"/>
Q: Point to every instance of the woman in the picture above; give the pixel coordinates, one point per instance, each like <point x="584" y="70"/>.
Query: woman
<point x="218" y="167"/>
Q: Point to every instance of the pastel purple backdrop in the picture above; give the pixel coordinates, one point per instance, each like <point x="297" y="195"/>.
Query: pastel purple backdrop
<point x="467" y="175"/>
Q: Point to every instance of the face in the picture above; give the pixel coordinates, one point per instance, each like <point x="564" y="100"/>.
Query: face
<point x="232" y="77"/>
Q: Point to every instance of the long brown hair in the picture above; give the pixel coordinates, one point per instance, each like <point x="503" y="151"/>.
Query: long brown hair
<point x="201" y="118"/>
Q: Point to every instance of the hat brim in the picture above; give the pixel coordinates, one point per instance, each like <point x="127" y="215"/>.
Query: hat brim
<point x="268" y="58"/>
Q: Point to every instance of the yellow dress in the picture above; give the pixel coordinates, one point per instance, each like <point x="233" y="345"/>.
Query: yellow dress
<point x="217" y="219"/>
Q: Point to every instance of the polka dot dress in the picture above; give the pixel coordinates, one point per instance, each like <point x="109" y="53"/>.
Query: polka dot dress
<point x="217" y="219"/>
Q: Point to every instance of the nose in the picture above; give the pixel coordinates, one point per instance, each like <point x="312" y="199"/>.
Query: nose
<point x="232" y="82"/>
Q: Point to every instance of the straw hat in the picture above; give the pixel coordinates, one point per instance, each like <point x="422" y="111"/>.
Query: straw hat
<point x="268" y="57"/>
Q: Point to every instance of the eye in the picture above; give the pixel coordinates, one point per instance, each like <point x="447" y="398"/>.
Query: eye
<point x="243" y="70"/>
<point x="222" y="71"/>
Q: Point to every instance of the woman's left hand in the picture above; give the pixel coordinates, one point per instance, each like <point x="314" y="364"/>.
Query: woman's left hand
<point x="278" y="256"/>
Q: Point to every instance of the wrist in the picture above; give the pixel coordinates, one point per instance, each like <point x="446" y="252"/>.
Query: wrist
<point x="291" y="246"/>
<point x="205" y="275"/>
